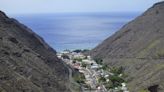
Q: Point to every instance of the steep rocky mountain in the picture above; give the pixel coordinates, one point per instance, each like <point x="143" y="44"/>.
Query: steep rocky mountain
<point x="139" y="48"/>
<point x="27" y="63"/>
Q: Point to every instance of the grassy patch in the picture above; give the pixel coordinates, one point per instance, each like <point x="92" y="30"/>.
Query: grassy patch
<point x="160" y="54"/>
<point x="147" y="48"/>
<point x="144" y="90"/>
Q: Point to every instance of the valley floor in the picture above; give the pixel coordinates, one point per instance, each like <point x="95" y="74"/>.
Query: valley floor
<point x="94" y="75"/>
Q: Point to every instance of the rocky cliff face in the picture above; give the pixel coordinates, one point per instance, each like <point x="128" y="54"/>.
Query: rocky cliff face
<point x="27" y="63"/>
<point x="139" y="48"/>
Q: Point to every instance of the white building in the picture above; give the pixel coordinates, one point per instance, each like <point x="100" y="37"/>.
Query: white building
<point x="78" y="55"/>
<point x="88" y="61"/>
<point x="89" y="57"/>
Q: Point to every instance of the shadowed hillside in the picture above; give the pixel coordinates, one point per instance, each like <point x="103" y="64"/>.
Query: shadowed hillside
<point x="27" y="63"/>
<point x="139" y="48"/>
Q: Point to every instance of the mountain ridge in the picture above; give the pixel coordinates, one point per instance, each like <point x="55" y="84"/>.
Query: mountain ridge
<point x="138" y="47"/>
<point x="27" y="62"/>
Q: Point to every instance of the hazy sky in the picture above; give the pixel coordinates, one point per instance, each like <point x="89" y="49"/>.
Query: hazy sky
<point x="55" y="6"/>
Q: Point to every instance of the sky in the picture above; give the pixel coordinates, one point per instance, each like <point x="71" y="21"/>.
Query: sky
<point x="74" y="6"/>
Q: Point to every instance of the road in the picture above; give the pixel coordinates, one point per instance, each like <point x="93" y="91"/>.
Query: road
<point x="93" y="80"/>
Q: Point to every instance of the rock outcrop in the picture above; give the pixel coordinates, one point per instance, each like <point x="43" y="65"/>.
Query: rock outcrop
<point x="139" y="48"/>
<point x="27" y="63"/>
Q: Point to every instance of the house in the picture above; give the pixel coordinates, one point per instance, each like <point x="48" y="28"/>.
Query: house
<point x="87" y="61"/>
<point x="76" y="65"/>
<point x="95" y="66"/>
<point x="77" y="55"/>
<point x="106" y="76"/>
<point x="66" y="52"/>
<point x="89" y="57"/>
<point x="59" y="55"/>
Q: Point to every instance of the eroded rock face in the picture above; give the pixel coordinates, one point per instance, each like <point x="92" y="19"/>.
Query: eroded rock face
<point x="27" y="63"/>
<point x="139" y="48"/>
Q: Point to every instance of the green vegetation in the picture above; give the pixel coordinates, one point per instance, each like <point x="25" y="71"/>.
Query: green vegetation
<point x="102" y="80"/>
<point x="79" y="78"/>
<point x="116" y="81"/>
<point x="112" y="76"/>
<point x="85" y="50"/>
<point x="64" y="56"/>
<point x="81" y="51"/>
<point x="78" y="82"/>
<point x="160" y="54"/>
<point x="87" y="86"/>
<point x="145" y="51"/>
<point x="77" y="50"/>
<point x="83" y="64"/>
<point x="98" y="61"/>
<point x="109" y="85"/>
<point x="105" y="67"/>
<point x="117" y="71"/>
<point x="159" y="66"/>
<point x="75" y="87"/>
<point x="73" y="61"/>
<point x="78" y="59"/>
<point x="144" y="90"/>
<point x="85" y="57"/>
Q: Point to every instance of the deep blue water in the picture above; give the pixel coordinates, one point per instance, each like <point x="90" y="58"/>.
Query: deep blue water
<point x="75" y="31"/>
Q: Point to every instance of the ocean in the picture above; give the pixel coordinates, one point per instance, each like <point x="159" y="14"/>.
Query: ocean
<point x="75" y="31"/>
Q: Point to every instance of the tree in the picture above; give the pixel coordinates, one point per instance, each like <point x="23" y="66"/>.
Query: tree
<point x="64" y="56"/>
<point x="99" y="61"/>
<point x="104" y="67"/>
<point x="77" y="51"/>
<point x="102" y="79"/>
<point x="117" y="71"/>
<point x="116" y="81"/>
<point x="79" y="78"/>
<point x="78" y="59"/>
<point x="83" y="64"/>
<point x="73" y="61"/>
